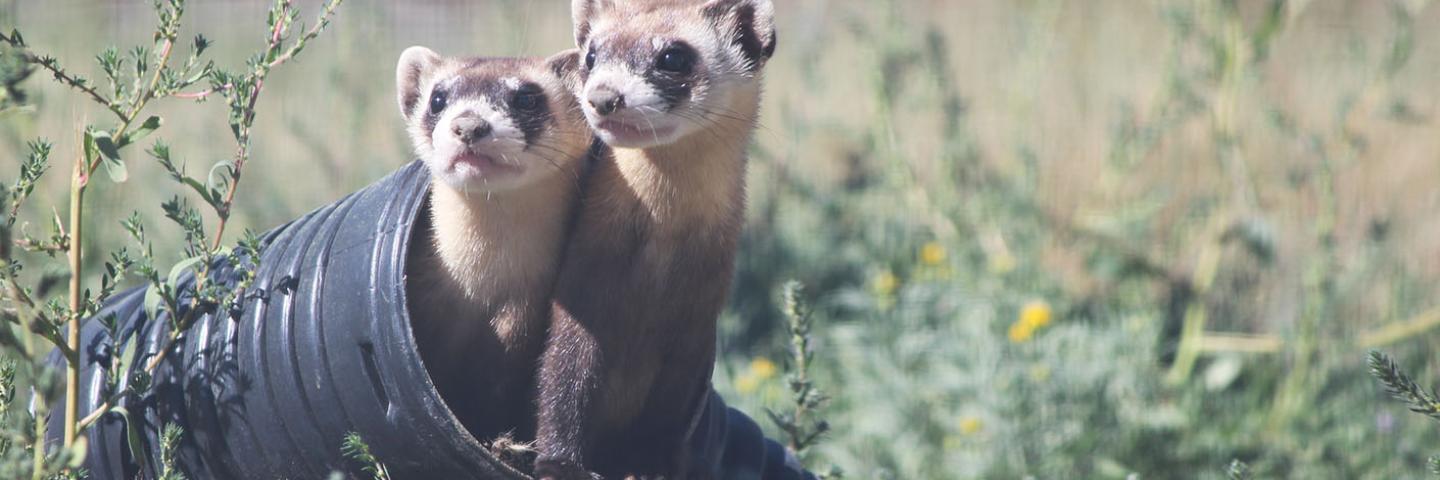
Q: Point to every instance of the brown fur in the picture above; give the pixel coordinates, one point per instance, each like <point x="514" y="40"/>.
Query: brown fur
<point x="480" y="335"/>
<point x="647" y="272"/>
<point x="484" y="258"/>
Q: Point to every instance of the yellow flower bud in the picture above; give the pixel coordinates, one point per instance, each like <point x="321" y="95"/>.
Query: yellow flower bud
<point x="970" y="425"/>
<point x="932" y="254"/>
<point x="1021" y="332"/>
<point x="762" y="368"/>
<point x="1035" y="314"/>
<point x="746" y="383"/>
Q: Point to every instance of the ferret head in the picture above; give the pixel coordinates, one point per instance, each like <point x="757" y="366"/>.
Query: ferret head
<point x="656" y="71"/>
<point x="492" y="124"/>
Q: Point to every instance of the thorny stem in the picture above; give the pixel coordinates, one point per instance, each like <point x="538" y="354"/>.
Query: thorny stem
<point x="144" y="98"/>
<point x="84" y="171"/>
<point x="280" y="60"/>
<point x="242" y="150"/>
<point x="203" y="93"/>
<point x="79" y="182"/>
<point x="60" y="74"/>
<point x="82" y="174"/>
<point x="242" y="153"/>
<point x="150" y="367"/>
<point x="807" y="398"/>
<point x="21" y="305"/>
<point x="25" y="310"/>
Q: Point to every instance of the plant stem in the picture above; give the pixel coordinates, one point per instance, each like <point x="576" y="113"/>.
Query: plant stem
<point x="242" y="150"/>
<point x="72" y="327"/>
<point x="38" y="472"/>
<point x="242" y="153"/>
<point x="129" y="117"/>
<point x="103" y="409"/>
<point x="60" y="75"/>
<point x="20" y="302"/>
<point x="150" y="367"/>
<point x="83" y="171"/>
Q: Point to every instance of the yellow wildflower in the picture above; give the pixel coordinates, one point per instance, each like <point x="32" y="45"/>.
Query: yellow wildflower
<point x="1035" y="314"/>
<point x="884" y="283"/>
<point x="1021" y="332"/>
<point x="932" y="254"/>
<point x="762" y="368"/>
<point x="747" y="383"/>
<point x="970" y="425"/>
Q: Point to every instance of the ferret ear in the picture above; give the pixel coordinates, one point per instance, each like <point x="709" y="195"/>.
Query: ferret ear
<point x="566" y="65"/>
<point x="414" y="63"/>
<point x="750" y="24"/>
<point x="582" y="12"/>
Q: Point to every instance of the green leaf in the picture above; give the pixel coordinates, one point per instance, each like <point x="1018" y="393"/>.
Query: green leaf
<point x="111" y="152"/>
<point x="180" y="269"/>
<point x="106" y="145"/>
<point x="132" y="432"/>
<point x="1400" y="386"/>
<point x="145" y="129"/>
<point x="152" y="300"/>
<point x="218" y="181"/>
<point x="92" y="151"/>
<point x="117" y="171"/>
<point x="199" y="188"/>
<point x="127" y="355"/>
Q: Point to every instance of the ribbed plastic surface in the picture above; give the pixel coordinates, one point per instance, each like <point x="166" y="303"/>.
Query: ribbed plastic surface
<point x="323" y="347"/>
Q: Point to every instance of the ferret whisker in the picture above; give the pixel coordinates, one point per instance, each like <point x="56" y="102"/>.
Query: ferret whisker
<point x="705" y="127"/>
<point x="724" y="113"/>
<point x="574" y="176"/>
<point x="708" y="126"/>
<point x="542" y="147"/>
<point x="653" y="132"/>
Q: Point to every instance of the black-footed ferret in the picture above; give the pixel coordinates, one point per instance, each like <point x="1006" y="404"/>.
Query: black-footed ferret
<point x="506" y="145"/>
<point x="673" y="87"/>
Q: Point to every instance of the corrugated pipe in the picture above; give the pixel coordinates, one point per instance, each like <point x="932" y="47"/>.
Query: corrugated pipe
<point x="322" y="347"/>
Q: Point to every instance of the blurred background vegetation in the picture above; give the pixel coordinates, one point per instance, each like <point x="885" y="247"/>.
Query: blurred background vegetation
<point x="1059" y="239"/>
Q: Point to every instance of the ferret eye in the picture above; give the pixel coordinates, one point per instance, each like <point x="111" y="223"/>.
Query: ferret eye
<point x="528" y="97"/>
<point x="590" y="60"/>
<point x="676" y="60"/>
<point x="437" y="101"/>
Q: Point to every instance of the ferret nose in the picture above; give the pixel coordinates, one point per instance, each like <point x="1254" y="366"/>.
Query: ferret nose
<point x="606" y="101"/>
<point x="469" y="128"/>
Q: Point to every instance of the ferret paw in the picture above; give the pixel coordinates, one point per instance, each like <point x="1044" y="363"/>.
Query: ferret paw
<point x="555" y="469"/>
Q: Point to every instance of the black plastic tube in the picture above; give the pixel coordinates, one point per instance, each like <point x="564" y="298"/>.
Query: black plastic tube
<point x="322" y="347"/>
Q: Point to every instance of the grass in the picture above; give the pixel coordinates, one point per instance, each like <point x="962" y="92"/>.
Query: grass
<point x="1045" y="238"/>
